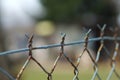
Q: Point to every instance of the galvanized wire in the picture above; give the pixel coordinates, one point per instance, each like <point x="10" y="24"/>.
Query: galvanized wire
<point x="4" y="72"/>
<point x="62" y="53"/>
<point x="98" y="53"/>
<point x="58" y="45"/>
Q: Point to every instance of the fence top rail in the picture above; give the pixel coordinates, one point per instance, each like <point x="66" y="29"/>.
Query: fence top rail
<point x="58" y="45"/>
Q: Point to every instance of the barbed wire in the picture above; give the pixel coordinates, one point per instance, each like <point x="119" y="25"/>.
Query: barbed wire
<point x="62" y="44"/>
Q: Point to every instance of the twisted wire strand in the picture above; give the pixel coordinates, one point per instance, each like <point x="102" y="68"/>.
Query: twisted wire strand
<point x="62" y="44"/>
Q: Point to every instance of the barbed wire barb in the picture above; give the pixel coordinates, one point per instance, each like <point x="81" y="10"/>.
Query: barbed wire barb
<point x="28" y="59"/>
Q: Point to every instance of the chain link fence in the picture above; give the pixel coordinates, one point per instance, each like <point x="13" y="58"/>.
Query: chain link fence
<point x="115" y="39"/>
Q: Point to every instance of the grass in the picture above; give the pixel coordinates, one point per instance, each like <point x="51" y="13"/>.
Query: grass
<point x="63" y="72"/>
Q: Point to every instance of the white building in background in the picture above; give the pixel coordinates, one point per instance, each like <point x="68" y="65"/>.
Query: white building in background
<point x="20" y="13"/>
<point x="17" y="18"/>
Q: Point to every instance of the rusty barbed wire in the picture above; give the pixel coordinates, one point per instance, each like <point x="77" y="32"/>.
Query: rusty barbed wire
<point x="28" y="59"/>
<point x="113" y="61"/>
<point x="98" y="52"/>
<point x="89" y="53"/>
<point x="75" y="64"/>
<point x="78" y="60"/>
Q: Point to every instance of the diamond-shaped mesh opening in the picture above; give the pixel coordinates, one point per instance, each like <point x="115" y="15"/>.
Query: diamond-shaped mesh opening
<point x="64" y="63"/>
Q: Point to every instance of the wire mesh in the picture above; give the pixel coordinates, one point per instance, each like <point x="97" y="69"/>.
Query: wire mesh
<point x="115" y="39"/>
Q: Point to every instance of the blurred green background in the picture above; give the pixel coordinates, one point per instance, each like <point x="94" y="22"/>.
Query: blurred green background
<point x="48" y="18"/>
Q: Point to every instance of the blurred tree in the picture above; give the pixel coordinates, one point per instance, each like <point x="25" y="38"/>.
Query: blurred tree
<point x="73" y="10"/>
<point x="83" y="12"/>
<point x="61" y="10"/>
